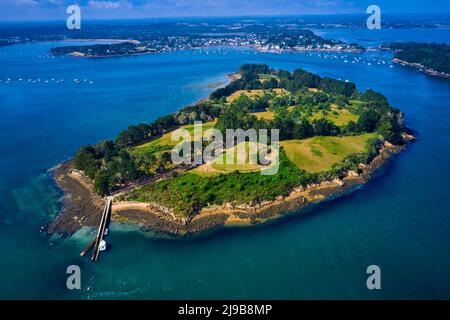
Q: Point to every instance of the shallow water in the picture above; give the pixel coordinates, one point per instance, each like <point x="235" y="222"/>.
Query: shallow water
<point x="399" y="221"/>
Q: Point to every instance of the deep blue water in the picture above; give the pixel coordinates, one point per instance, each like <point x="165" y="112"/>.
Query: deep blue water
<point x="399" y="221"/>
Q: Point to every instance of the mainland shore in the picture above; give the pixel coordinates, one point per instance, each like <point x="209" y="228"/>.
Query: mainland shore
<point x="422" y="68"/>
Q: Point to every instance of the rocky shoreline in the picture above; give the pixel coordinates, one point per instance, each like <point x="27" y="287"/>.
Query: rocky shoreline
<point x="82" y="207"/>
<point x="422" y="68"/>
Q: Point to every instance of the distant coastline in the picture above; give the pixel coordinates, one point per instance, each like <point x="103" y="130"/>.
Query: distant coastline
<point x="80" y="50"/>
<point x="430" y="58"/>
<point x="102" y="40"/>
<point x="422" y="68"/>
<point x="300" y="40"/>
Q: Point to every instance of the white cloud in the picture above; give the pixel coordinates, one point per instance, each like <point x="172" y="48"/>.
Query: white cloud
<point x="27" y="2"/>
<point x="95" y="4"/>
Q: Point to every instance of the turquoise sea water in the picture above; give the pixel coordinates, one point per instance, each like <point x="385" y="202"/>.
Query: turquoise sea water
<point x="399" y="221"/>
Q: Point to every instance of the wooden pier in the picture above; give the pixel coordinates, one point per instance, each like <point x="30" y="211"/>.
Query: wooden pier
<point x="89" y="246"/>
<point x="104" y="221"/>
<point x="101" y="230"/>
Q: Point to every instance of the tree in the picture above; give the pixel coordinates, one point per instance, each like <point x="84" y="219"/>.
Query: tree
<point x="389" y="130"/>
<point x="270" y="84"/>
<point x="368" y="120"/>
<point x="352" y="127"/>
<point x="374" y="97"/>
<point x="250" y="72"/>
<point x="243" y="102"/>
<point x="261" y="103"/>
<point x="102" y="183"/>
<point x="323" y="127"/>
<point x="303" y="129"/>
<point x="126" y="167"/>
<point x="340" y="100"/>
<point x="105" y="149"/>
<point x="284" y="123"/>
<point x="302" y="78"/>
<point x="334" y="86"/>
<point x="236" y="117"/>
<point x="85" y="160"/>
<point x="130" y="136"/>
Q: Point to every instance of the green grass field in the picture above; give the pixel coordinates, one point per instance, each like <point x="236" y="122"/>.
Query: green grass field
<point x="165" y="142"/>
<point x="254" y="93"/>
<point x="339" y="117"/>
<point x="186" y="194"/>
<point x="267" y="77"/>
<point x="266" y="115"/>
<point x="319" y="154"/>
<point x="221" y="165"/>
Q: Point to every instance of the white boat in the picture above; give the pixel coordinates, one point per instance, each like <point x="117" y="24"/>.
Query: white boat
<point x="106" y="232"/>
<point x="102" y="246"/>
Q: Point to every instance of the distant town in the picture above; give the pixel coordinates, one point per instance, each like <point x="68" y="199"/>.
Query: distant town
<point x="298" y="40"/>
<point x="200" y="31"/>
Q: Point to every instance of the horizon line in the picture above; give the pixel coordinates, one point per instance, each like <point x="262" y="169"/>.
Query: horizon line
<point x="236" y="16"/>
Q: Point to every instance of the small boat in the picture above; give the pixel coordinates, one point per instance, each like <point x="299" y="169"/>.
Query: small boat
<point x="106" y="232"/>
<point x="102" y="246"/>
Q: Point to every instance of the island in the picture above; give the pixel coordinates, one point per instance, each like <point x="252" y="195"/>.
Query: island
<point x="430" y="58"/>
<point x="332" y="138"/>
<point x="260" y="40"/>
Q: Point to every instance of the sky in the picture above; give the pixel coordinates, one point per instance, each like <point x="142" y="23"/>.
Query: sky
<point x="17" y="10"/>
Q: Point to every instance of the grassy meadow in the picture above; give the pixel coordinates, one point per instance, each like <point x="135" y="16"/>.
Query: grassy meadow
<point x="319" y="154"/>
